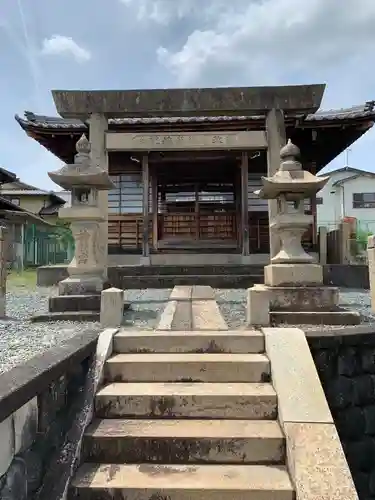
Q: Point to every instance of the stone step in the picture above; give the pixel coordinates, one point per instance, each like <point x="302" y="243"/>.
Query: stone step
<point x="190" y="367"/>
<point x="247" y="341"/>
<point x="338" y="317"/>
<point x="159" y="281"/>
<point x="202" y="269"/>
<point x="253" y="401"/>
<point x="184" y="441"/>
<point x="182" y="482"/>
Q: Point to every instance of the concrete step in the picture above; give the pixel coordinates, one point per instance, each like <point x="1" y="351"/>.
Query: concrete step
<point x="253" y="401"/>
<point x="248" y="341"/>
<point x="160" y="281"/>
<point x="339" y="317"/>
<point x="184" y="441"/>
<point x="188" y="367"/>
<point x="202" y="269"/>
<point x="182" y="482"/>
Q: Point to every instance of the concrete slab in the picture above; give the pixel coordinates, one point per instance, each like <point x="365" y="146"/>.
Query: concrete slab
<point x="181" y="293"/>
<point x="172" y="400"/>
<point x="294" y="376"/>
<point x="206" y="315"/>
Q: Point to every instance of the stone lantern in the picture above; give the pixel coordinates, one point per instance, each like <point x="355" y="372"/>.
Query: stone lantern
<point x="293" y="290"/>
<point x="87" y="271"/>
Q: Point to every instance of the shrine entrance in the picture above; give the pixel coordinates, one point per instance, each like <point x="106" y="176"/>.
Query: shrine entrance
<point x="198" y="207"/>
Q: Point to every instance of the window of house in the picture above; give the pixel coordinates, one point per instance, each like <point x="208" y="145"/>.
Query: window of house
<point x="15" y="201"/>
<point x="363" y="200"/>
<point x="319" y="200"/>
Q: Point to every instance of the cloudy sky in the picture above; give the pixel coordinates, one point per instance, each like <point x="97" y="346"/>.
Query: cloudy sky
<point x="119" y="44"/>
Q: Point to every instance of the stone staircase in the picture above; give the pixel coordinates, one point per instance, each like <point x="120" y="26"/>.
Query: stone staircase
<point x="185" y="416"/>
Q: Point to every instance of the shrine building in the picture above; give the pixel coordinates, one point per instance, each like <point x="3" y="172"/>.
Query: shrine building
<point x="186" y="162"/>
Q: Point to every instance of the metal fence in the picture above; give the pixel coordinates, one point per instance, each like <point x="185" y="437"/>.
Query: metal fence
<point x="41" y="248"/>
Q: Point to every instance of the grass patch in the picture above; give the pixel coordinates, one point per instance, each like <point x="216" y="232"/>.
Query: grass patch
<point x="23" y="279"/>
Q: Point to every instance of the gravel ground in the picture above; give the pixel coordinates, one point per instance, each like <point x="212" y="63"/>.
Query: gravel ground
<point x="20" y="339"/>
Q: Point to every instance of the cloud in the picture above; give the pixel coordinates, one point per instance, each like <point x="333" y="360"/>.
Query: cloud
<point x="265" y="41"/>
<point x="64" y="45"/>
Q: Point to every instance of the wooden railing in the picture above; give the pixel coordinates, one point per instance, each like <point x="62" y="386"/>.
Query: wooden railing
<point x="126" y="231"/>
<point x="203" y="226"/>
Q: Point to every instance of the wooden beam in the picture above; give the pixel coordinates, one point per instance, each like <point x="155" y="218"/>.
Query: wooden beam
<point x="276" y="138"/>
<point x="245" y="203"/>
<point x="154" y="206"/>
<point x="146" y="208"/>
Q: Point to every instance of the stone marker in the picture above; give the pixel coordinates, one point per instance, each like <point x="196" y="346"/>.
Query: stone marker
<point x="258" y="306"/>
<point x="111" y="307"/>
<point x="3" y="272"/>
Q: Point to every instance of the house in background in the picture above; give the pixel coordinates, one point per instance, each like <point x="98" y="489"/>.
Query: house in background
<point x="18" y="221"/>
<point x="350" y="192"/>
<point x="45" y="204"/>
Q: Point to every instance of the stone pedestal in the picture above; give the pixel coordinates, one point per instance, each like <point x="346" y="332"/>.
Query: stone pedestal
<point x="80" y="292"/>
<point x="293" y="275"/>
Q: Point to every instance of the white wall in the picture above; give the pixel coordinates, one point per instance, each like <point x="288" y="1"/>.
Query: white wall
<point x="65" y="195"/>
<point x="338" y="201"/>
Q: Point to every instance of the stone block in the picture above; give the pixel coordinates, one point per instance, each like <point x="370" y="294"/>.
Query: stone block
<point x="181" y="293"/>
<point x="304" y="298"/>
<point x="112" y="307"/>
<point x="258" y="306"/>
<point x="25" y="425"/>
<point x="79" y="286"/>
<point x="7" y="444"/>
<point x="74" y="303"/>
<point x="294" y="376"/>
<point x="317" y="463"/>
<point x="293" y="275"/>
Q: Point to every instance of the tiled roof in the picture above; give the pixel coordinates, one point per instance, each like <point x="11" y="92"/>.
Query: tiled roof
<point x="48" y="122"/>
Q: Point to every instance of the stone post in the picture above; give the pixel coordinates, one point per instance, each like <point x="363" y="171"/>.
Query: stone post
<point x="98" y="126"/>
<point x="371" y="268"/>
<point x="323" y="245"/>
<point x="3" y="272"/>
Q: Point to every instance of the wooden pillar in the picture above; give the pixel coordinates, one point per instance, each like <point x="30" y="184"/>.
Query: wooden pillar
<point x="237" y="199"/>
<point x="146" y="207"/>
<point x="154" y="206"/>
<point x="245" y="203"/>
<point x="276" y="139"/>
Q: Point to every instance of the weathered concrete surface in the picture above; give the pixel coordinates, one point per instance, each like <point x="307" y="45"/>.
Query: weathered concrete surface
<point x="227" y="101"/>
<point x="206" y="315"/>
<point x="184" y="482"/>
<point x="317" y="462"/>
<point x="315" y="457"/>
<point x="192" y="308"/>
<point x="244" y="341"/>
<point x="187" y="399"/>
<point x="184" y="441"/>
<point x="294" y="376"/>
<point x="196" y="367"/>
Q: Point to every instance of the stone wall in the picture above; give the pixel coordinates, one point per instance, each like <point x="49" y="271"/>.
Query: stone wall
<point x="346" y="366"/>
<point x="39" y="401"/>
